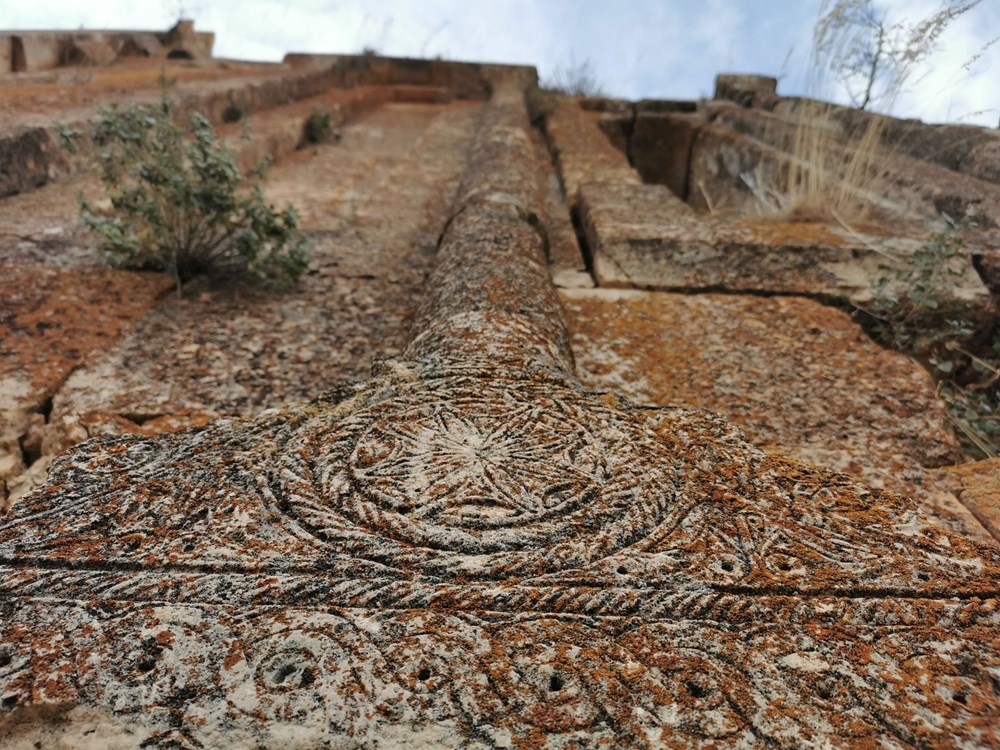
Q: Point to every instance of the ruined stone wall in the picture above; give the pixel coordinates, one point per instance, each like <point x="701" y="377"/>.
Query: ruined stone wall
<point x="537" y="454"/>
<point x="37" y="51"/>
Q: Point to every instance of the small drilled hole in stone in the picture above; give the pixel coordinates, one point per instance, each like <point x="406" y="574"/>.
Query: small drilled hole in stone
<point x="825" y="689"/>
<point x="146" y="665"/>
<point x="189" y="547"/>
<point x="556" y="683"/>
<point x="622" y="570"/>
<point x="424" y="674"/>
<point x="923" y="576"/>
<point x="960" y="698"/>
<point x="282" y="674"/>
<point x="784" y="565"/>
<point x="5" y="659"/>
<point x="10" y="701"/>
<point x="696" y="690"/>
<point x="727" y="566"/>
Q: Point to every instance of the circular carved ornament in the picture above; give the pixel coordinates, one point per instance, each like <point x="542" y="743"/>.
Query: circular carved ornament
<point x="478" y="478"/>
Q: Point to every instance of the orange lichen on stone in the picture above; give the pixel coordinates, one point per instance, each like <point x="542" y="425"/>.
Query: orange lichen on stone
<point x="796" y="375"/>
<point x="61" y="90"/>
<point x="472" y="549"/>
<point x="794" y="233"/>
<point x="978" y="487"/>
<point x="53" y="318"/>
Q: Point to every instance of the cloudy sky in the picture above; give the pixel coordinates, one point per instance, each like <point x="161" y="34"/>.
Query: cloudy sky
<point x="635" y="48"/>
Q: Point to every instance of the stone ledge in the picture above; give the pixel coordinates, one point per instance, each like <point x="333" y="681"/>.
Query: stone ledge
<point x="643" y="236"/>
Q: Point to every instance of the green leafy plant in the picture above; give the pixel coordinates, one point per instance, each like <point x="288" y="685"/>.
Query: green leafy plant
<point x="907" y="302"/>
<point x="907" y="313"/>
<point x="318" y="127"/>
<point x="180" y="203"/>
<point x="233" y="113"/>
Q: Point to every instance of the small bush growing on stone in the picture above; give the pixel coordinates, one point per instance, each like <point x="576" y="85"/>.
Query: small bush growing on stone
<point x="180" y="204"/>
<point x="233" y="113"/>
<point x="906" y="313"/>
<point x="907" y="302"/>
<point x="319" y="127"/>
<point x="574" y="78"/>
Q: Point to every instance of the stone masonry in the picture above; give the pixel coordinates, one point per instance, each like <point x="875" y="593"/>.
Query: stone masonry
<point x="525" y="528"/>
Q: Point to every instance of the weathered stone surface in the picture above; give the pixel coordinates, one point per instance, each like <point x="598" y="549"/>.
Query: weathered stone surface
<point x="468" y="80"/>
<point x="583" y="591"/>
<point x="582" y="151"/>
<point x="566" y="263"/>
<point x="741" y="162"/>
<point x="644" y="236"/>
<point x="24" y="155"/>
<point x="184" y="42"/>
<point x="182" y="367"/>
<point x="660" y="148"/>
<point x="747" y="90"/>
<point x="978" y="486"/>
<point x="50" y="321"/>
<point x="235" y="352"/>
<point x="969" y="149"/>
<point x="94" y="51"/>
<point x="471" y="550"/>
<point x="30" y="150"/>
<point x="34" y="52"/>
<point x="798" y="377"/>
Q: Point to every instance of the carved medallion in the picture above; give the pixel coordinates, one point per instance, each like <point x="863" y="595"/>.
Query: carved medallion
<point x="514" y="480"/>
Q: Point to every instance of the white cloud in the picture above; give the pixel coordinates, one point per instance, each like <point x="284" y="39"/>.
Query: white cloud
<point x="638" y="48"/>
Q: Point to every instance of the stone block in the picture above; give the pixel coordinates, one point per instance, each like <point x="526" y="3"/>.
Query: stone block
<point x="978" y="487"/>
<point x="140" y="44"/>
<point x="35" y="51"/>
<point x="747" y="90"/>
<point x="634" y="231"/>
<point x="183" y="41"/>
<point x="660" y="148"/>
<point x="53" y="319"/>
<point x="729" y="175"/>
<point x="741" y="161"/>
<point x="6" y="54"/>
<point x="82" y="51"/>
<point x="644" y="236"/>
<point x="618" y="129"/>
<point x="798" y="377"/>
<point x="663" y="106"/>
<point x="583" y="152"/>
<point x="25" y="160"/>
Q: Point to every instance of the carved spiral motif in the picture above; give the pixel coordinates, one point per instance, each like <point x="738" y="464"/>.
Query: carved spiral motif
<point x="511" y="480"/>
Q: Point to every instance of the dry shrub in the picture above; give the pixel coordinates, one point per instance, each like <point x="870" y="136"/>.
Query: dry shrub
<point x="830" y="174"/>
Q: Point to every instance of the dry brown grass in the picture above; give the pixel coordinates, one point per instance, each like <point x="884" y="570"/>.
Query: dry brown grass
<point x="830" y="174"/>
